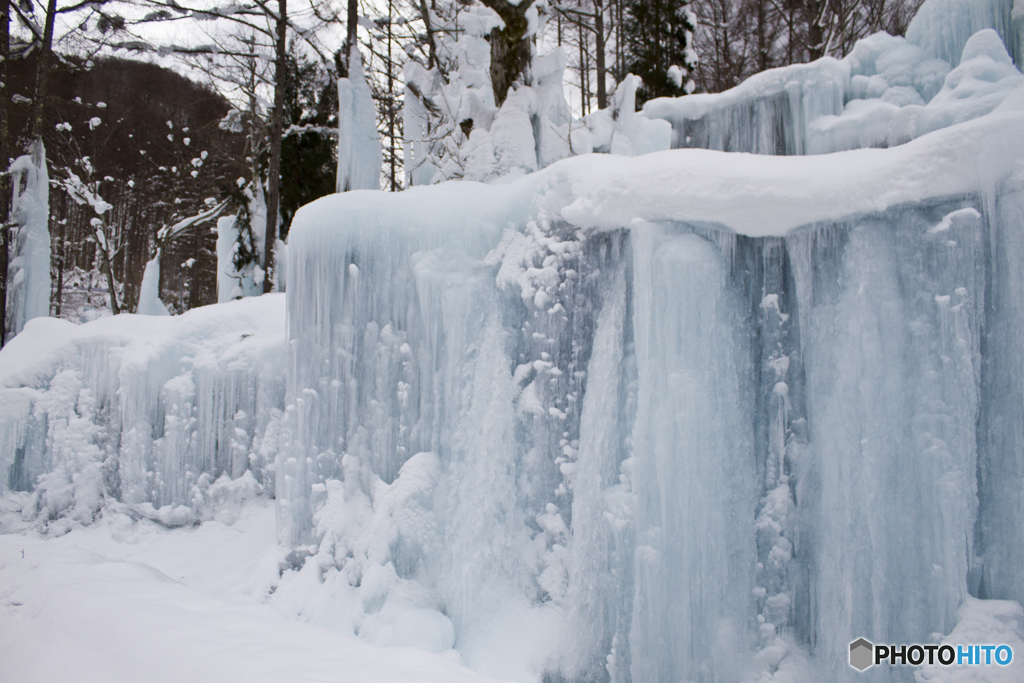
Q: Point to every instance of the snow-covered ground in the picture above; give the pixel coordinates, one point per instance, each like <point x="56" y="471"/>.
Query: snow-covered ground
<point x="131" y="600"/>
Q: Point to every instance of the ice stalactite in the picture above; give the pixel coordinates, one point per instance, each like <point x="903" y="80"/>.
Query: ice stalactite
<point x="359" y="151"/>
<point x="149" y="292"/>
<point x="29" y="289"/>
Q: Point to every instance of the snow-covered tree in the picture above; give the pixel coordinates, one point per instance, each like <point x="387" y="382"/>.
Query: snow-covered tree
<point x="466" y="117"/>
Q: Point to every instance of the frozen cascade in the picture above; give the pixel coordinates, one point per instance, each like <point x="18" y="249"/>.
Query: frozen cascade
<point x="692" y="476"/>
<point x="689" y="415"/>
<point x="150" y="409"/>
<point x="942" y="27"/>
<point x="769" y="113"/>
<point x="755" y="431"/>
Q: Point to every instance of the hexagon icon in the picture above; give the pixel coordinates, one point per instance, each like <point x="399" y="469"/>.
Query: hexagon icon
<point x="861" y="654"/>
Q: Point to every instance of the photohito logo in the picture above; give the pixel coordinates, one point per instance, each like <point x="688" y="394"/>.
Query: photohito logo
<point x="864" y="654"/>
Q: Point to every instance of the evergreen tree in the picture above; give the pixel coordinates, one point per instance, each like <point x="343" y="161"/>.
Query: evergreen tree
<point x="308" y="163"/>
<point x="658" y="36"/>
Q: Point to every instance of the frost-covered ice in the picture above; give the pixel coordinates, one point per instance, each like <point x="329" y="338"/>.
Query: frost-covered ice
<point x="686" y="415"/>
<point x="359" y="151"/>
<point x="147" y="410"/>
<point x="960" y="60"/>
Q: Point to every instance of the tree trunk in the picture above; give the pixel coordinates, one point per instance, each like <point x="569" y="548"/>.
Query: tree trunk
<point x="815" y="29"/>
<point x="391" y="110"/>
<point x="602" y="94"/>
<point x="764" y="44"/>
<point x="431" y="38"/>
<point x="43" y="71"/>
<point x="353" y="29"/>
<point x="510" y="47"/>
<point x="58" y="294"/>
<point x="5" y="183"/>
<point x="274" y="172"/>
<point x="108" y="269"/>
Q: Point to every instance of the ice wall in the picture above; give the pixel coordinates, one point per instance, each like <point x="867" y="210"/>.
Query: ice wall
<point x="766" y="114"/>
<point x="960" y="60"/>
<point x="688" y="416"/>
<point x="144" y="410"/>
<point x="942" y="27"/>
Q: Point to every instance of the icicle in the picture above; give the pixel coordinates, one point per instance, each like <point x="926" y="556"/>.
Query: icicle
<point x="149" y="292"/>
<point x="30" y="268"/>
<point x="359" y="152"/>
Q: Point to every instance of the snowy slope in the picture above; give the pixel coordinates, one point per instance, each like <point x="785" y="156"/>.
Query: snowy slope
<point x="131" y="603"/>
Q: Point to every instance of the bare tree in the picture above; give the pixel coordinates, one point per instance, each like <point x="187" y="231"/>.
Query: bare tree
<point x="737" y="38"/>
<point x="590" y="20"/>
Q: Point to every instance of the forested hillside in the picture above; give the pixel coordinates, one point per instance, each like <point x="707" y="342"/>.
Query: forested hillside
<point x="146" y="140"/>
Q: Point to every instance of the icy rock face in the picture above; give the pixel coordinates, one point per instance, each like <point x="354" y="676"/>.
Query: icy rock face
<point x="144" y="410"/>
<point x="886" y="92"/>
<point x="664" y="450"/>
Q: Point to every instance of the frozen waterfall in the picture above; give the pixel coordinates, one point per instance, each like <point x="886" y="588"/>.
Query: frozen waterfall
<point x="707" y="414"/>
<point x="714" y="447"/>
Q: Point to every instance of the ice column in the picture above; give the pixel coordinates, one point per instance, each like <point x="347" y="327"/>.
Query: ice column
<point x="359" y="154"/>
<point x="30" y="268"/>
<point x="889" y="491"/>
<point x="695" y="492"/>
<point x="998" y="562"/>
